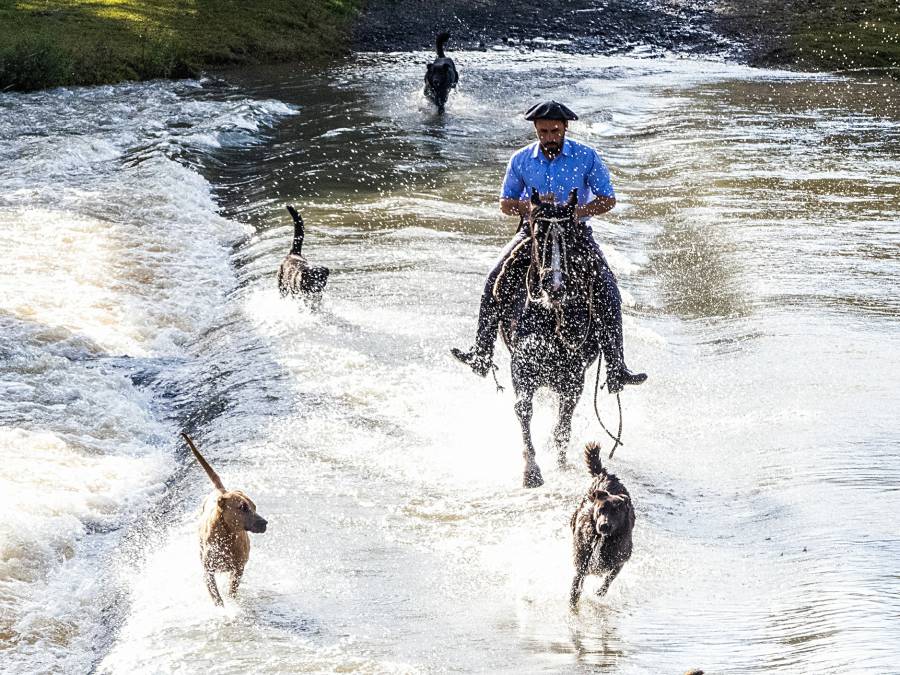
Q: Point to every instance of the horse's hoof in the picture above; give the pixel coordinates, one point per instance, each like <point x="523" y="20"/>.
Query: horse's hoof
<point x="533" y="478"/>
<point x="561" y="460"/>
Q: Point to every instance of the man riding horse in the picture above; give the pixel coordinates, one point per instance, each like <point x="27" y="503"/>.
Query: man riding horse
<point x="554" y="166"/>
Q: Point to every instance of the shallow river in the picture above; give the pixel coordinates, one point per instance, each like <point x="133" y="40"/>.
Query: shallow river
<point x="757" y="244"/>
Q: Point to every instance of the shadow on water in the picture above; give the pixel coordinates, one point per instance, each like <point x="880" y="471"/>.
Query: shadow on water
<point x="595" y="635"/>
<point x="698" y="278"/>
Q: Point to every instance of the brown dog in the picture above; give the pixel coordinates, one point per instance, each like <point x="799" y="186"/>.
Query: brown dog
<point x="296" y="276"/>
<point x="601" y="527"/>
<point x="226" y="518"/>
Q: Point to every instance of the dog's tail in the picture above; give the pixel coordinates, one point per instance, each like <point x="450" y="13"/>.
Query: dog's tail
<point x="213" y="476"/>
<point x="592" y="459"/>
<point x="440" y="42"/>
<point x="297" y="245"/>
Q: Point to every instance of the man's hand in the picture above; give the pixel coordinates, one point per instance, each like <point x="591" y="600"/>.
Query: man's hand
<point x="523" y="207"/>
<point x="595" y="207"/>
<point x="515" y="207"/>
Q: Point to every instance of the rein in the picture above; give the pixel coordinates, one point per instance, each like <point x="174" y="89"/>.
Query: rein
<point x="537" y="265"/>
<point x="597" y="387"/>
<point x="539" y="261"/>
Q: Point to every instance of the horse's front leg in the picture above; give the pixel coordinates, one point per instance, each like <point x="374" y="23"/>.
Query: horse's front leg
<point x="562" y="433"/>
<point x="532" y="477"/>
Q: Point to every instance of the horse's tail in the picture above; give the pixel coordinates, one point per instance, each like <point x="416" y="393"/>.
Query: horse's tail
<point x="592" y="459"/>
<point x="440" y="42"/>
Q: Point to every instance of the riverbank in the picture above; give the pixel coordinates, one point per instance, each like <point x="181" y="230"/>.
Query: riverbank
<point x="804" y="35"/>
<point x="84" y="42"/>
<point x="815" y="34"/>
<point x="578" y="26"/>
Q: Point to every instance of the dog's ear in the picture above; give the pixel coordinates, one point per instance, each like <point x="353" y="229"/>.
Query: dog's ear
<point x="573" y="198"/>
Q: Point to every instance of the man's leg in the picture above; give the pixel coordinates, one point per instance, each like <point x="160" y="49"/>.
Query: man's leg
<point x="480" y="357"/>
<point x="606" y="291"/>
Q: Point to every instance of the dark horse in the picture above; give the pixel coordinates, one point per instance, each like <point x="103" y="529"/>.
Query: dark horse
<point x="549" y="320"/>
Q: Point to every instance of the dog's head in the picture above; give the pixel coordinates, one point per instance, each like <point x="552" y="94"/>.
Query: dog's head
<point x="239" y="511"/>
<point x="441" y="75"/>
<point x="314" y="279"/>
<point x="438" y="75"/>
<point x="610" y="512"/>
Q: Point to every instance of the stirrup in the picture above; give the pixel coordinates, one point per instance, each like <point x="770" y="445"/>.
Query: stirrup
<point x="479" y="362"/>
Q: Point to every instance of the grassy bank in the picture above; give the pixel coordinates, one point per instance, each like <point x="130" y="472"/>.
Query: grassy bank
<point x="848" y="35"/>
<point x="826" y="34"/>
<point x="46" y="43"/>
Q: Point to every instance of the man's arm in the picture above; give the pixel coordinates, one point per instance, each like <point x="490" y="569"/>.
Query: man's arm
<point x="515" y="207"/>
<point x="595" y="207"/>
<point x="601" y="185"/>
<point x="513" y="187"/>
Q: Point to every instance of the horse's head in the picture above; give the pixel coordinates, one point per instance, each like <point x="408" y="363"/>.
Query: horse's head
<point x="553" y="226"/>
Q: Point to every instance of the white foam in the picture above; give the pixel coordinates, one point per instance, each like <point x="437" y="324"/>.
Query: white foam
<point x="110" y="249"/>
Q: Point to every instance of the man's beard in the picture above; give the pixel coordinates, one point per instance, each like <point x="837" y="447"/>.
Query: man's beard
<point x="551" y="149"/>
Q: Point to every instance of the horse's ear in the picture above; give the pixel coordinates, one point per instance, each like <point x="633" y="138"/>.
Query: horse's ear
<point x="535" y="197"/>
<point x="573" y="198"/>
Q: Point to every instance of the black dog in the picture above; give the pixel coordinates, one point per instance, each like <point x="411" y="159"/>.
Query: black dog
<point x="296" y="276"/>
<point x="601" y="527"/>
<point x="441" y="76"/>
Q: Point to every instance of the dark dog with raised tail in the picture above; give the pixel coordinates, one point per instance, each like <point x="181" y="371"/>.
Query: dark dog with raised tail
<point x="441" y="75"/>
<point x="227" y="517"/>
<point x="296" y="276"/>
<point x="601" y="527"/>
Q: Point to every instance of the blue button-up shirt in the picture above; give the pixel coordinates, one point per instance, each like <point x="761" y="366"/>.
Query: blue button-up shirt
<point x="577" y="166"/>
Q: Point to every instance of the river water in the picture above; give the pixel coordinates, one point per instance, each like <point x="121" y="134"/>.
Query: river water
<point x="756" y="243"/>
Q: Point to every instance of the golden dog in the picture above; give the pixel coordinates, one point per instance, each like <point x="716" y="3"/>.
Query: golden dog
<point x="226" y="518"/>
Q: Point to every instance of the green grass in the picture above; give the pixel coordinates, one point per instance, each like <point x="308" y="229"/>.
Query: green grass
<point x="47" y="43"/>
<point x="828" y="34"/>
<point x="848" y="34"/>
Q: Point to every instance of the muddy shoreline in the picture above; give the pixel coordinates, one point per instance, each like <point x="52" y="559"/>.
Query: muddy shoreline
<point x="809" y="34"/>
<point x="578" y="26"/>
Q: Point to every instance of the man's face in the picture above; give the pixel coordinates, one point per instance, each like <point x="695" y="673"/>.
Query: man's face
<point x="551" y="134"/>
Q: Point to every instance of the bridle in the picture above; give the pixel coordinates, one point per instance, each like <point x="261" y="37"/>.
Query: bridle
<point x="556" y="249"/>
<point x="556" y="242"/>
<point x="552" y="257"/>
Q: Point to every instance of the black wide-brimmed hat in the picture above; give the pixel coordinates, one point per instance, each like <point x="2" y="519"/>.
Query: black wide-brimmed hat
<point x="549" y="110"/>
